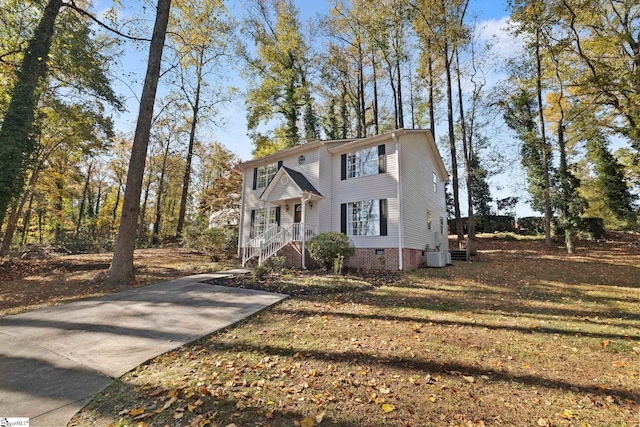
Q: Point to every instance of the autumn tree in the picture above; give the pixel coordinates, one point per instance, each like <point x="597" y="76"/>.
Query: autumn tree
<point x="201" y="34"/>
<point x="279" y="86"/>
<point x="121" y="269"/>
<point x="441" y="25"/>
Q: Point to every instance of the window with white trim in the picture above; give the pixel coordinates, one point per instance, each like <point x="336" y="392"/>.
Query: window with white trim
<point x="363" y="218"/>
<point x="435" y="183"/>
<point x="428" y="220"/>
<point x="266" y="174"/>
<point x="262" y="219"/>
<point x="362" y="162"/>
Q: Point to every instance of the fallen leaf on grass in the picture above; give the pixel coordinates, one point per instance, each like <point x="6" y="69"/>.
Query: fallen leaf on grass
<point x="387" y="407"/>
<point x="604" y="343"/>
<point x="636" y="349"/>
<point x="432" y="398"/>
<point x="320" y="417"/>
<point x="178" y="415"/>
<point x="136" y="411"/>
<point x="543" y="423"/>
<point x="141" y="424"/>
<point x="269" y="415"/>
<point x="307" y="422"/>
<point x="469" y="379"/>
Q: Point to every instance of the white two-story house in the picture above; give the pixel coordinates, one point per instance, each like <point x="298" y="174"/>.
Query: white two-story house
<point x="385" y="192"/>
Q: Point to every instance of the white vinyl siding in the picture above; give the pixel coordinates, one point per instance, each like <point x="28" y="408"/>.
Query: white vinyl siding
<point x="374" y="187"/>
<point x="421" y="192"/>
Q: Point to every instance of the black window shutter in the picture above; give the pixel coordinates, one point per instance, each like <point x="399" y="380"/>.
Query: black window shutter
<point x="343" y="167"/>
<point x="382" y="159"/>
<point x="343" y="218"/>
<point x="253" y="220"/>
<point x="255" y="178"/>
<point x="278" y="215"/>
<point x="383" y="217"/>
<point x="279" y="164"/>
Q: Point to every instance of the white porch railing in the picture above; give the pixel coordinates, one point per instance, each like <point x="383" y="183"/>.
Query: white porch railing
<point x="267" y="244"/>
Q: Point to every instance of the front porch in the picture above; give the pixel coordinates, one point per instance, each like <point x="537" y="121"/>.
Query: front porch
<point x="286" y="217"/>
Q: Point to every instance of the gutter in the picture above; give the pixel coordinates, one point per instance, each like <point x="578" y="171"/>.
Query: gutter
<point x="241" y="225"/>
<point x="400" y="210"/>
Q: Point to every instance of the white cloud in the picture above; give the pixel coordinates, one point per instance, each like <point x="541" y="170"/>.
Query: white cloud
<point x="496" y="31"/>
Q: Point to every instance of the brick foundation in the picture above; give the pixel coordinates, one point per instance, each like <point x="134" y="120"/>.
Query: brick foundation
<point x="365" y="258"/>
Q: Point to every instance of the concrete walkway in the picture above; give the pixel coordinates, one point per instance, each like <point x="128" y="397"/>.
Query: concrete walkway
<point x="53" y="361"/>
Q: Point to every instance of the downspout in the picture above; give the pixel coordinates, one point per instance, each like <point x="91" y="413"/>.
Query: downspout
<point x="241" y="225"/>
<point x="304" y="200"/>
<point x="400" y="215"/>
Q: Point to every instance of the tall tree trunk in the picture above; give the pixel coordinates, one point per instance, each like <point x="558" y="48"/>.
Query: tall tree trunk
<point x="17" y="143"/>
<point x="142" y="228"/>
<point x="362" y="115"/>
<point x="452" y="147"/>
<point x="394" y="95"/>
<point x="399" y="93"/>
<point x="544" y="146"/>
<point x="121" y="270"/>
<point x="187" y="170"/>
<point x="471" y="225"/>
<point x="376" y="119"/>
<point x="156" y="223"/>
<point x="25" y="221"/>
<point x="12" y="221"/>
<point x="431" y="83"/>
<point x="83" y="202"/>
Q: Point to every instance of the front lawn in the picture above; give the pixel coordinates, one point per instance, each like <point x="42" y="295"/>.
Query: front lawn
<point x="521" y="336"/>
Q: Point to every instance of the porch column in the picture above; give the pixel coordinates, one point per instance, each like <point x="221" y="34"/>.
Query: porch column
<point x="304" y="198"/>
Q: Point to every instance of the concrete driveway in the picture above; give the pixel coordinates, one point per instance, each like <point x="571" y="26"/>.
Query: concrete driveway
<point x="53" y="361"/>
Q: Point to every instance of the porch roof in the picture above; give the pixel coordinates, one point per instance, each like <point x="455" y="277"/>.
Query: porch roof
<point x="299" y="182"/>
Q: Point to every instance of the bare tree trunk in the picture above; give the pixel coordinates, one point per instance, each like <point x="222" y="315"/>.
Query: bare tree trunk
<point x="25" y="221"/>
<point x="471" y="225"/>
<point x="12" y="221"/>
<point x="545" y="148"/>
<point x="399" y="92"/>
<point x="121" y="270"/>
<point x="452" y="147"/>
<point x="431" y="83"/>
<point x="83" y="202"/>
<point x="376" y="119"/>
<point x="156" y="224"/>
<point x="192" y="138"/>
<point x="362" y="116"/>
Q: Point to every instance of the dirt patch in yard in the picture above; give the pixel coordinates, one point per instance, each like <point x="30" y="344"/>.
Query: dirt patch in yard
<point x="27" y="284"/>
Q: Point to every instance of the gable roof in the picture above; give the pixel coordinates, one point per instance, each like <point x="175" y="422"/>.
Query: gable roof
<point x="301" y="181"/>
<point x="297" y="179"/>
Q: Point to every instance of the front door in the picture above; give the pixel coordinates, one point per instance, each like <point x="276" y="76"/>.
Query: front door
<point x="297" y="218"/>
<point x="297" y="213"/>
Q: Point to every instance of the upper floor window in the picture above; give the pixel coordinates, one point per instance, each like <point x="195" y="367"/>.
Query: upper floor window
<point x="362" y="162"/>
<point x="441" y="225"/>
<point x="367" y="161"/>
<point x="266" y="174"/>
<point x="429" y="220"/>
<point x="435" y="183"/>
<point x="262" y="175"/>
